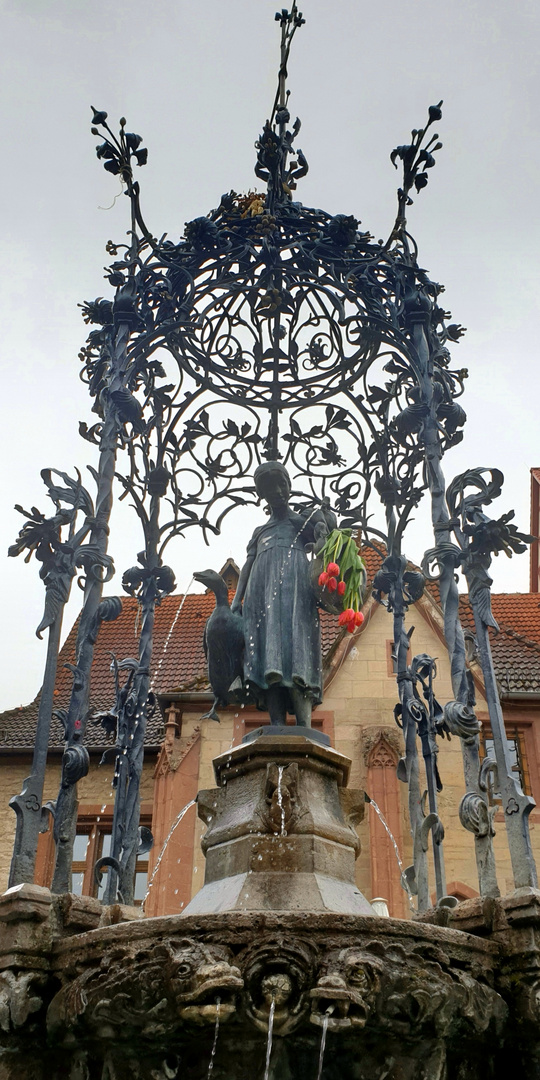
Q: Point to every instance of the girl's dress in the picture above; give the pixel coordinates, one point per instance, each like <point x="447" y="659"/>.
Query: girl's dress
<point x="281" y="621"/>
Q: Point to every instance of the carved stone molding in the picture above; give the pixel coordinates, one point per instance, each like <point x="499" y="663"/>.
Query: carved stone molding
<point x="148" y="992"/>
<point x="20" y="997"/>
<point x="140" y="1001"/>
<point x="173" y="753"/>
<point x="363" y="973"/>
<point x="381" y="746"/>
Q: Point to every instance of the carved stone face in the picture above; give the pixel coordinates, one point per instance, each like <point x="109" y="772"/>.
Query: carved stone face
<point x="279" y="974"/>
<point x="277" y="988"/>
<point x="203" y="981"/>
<point x="279" y="809"/>
<point x="280" y="989"/>
<point x="147" y="991"/>
<point x="345" y="990"/>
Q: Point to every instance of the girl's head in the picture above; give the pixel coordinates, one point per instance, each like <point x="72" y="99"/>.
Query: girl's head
<point x="273" y="483"/>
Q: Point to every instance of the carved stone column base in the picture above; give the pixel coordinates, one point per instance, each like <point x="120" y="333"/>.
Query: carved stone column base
<point x="274" y="891"/>
<point x="281" y="833"/>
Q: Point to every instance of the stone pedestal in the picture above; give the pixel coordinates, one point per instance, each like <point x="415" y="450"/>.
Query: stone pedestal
<point x="281" y="829"/>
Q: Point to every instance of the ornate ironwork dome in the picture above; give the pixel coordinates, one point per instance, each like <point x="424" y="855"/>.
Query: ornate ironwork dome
<point x="273" y="310"/>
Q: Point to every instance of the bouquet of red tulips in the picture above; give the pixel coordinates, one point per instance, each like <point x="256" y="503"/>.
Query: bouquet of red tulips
<point x="345" y="573"/>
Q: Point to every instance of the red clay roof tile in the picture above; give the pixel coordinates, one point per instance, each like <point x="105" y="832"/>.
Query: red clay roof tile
<point x="179" y="665"/>
<point x="520" y="611"/>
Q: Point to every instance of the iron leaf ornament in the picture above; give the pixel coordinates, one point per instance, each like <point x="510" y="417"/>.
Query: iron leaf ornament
<point x="478" y="538"/>
<point x="58" y="543"/>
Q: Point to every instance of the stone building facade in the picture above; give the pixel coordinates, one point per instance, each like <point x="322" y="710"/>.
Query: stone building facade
<point x="357" y="713"/>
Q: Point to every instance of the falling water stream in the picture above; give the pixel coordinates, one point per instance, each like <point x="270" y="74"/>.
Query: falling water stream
<point x="169" y="635"/>
<point x="269" y="1042"/>
<point x="280" y="798"/>
<point x="323" y="1043"/>
<point x="386" y="826"/>
<point x="175" y="824"/>
<point x="216" y="1033"/>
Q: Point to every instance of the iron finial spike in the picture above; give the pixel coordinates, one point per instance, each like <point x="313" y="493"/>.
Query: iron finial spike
<point x="289" y="22"/>
<point x="275" y="144"/>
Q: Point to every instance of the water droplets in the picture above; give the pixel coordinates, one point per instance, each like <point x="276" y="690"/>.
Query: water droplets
<point x="169" y="635"/>
<point x="175" y="825"/>
<point x="386" y="826"/>
<point x="216" y="1033"/>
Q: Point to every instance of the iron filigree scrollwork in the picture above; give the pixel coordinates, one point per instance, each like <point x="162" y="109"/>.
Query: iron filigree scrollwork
<point x="147" y="484"/>
<point x="478" y="538"/>
<point x="61" y="555"/>
<point x="425" y="718"/>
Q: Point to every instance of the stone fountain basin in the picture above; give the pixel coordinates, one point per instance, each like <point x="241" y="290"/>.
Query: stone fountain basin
<point x="392" y="990"/>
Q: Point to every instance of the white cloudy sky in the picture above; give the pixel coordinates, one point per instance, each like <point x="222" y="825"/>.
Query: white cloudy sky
<point x="196" y="79"/>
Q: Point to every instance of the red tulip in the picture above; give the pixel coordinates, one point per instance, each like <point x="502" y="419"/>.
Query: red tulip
<point x="349" y="614"/>
<point x="358" y="618"/>
<point x="333" y="568"/>
<point x="351" y="628"/>
<point x="341" y="587"/>
<point x="331" y="584"/>
<point x="342" y="619"/>
<point x="323" y="578"/>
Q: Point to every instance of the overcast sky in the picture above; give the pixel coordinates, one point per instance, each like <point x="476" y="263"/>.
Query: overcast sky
<point x="196" y="80"/>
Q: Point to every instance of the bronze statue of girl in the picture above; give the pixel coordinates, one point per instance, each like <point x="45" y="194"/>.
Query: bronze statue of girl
<point x="282" y="664"/>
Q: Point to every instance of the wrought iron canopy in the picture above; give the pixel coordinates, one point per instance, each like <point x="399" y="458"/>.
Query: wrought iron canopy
<point x="287" y="333"/>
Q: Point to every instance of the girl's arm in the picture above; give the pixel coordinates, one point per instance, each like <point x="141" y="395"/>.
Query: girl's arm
<point x="236" y="605"/>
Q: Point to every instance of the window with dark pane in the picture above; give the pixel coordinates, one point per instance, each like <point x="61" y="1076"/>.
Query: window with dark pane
<point x="93" y="842"/>
<point x="515" y="741"/>
<point x="80" y="853"/>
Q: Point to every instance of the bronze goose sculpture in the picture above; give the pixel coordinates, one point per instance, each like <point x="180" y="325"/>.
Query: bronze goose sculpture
<point x="223" y="643"/>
